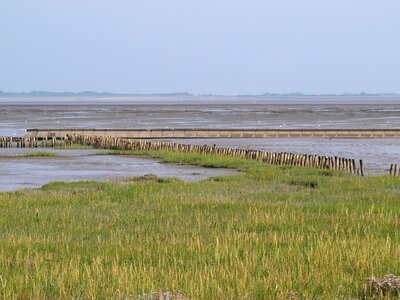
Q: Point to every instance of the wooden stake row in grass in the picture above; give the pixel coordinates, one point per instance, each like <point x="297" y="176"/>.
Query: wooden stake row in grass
<point x="276" y="158"/>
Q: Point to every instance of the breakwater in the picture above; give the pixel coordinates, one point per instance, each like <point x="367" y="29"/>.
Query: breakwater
<point x="218" y="133"/>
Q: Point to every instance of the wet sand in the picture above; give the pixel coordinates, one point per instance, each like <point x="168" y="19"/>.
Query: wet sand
<point x="242" y="113"/>
<point x="82" y="165"/>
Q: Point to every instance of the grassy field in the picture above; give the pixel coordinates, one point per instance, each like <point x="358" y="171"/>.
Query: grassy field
<point x="257" y="235"/>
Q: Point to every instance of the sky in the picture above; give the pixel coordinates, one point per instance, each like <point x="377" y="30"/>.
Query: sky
<point x="200" y="46"/>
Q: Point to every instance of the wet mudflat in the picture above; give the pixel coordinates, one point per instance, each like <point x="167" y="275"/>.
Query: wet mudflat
<point x="83" y="165"/>
<point x="377" y="154"/>
<point x="20" y="114"/>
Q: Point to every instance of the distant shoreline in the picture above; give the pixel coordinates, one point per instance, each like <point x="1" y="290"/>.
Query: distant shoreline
<point x="36" y="94"/>
<point x="198" y="100"/>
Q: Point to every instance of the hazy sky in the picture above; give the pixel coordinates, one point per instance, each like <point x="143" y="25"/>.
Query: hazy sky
<point x="200" y="46"/>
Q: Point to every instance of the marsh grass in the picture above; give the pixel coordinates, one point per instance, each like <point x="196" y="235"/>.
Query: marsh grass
<point x="39" y="154"/>
<point x="256" y="235"/>
<point x="62" y="145"/>
<point x="31" y="154"/>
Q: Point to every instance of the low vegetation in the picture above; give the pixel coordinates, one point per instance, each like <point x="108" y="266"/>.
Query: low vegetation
<point x="61" y="145"/>
<point x="39" y="154"/>
<point x="268" y="233"/>
<point x="31" y="154"/>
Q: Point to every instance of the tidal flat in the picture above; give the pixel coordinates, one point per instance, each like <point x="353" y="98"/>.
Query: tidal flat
<point x="265" y="233"/>
<point x="19" y="114"/>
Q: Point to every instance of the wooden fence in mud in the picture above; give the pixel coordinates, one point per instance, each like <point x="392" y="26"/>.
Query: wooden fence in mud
<point x="276" y="158"/>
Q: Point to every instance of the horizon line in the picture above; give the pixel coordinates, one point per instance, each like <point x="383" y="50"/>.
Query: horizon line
<point x="43" y="93"/>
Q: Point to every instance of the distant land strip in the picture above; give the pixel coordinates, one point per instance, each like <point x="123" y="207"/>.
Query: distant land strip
<point x="34" y="94"/>
<point x="190" y="133"/>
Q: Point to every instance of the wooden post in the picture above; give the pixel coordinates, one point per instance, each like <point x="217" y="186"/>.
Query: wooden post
<point x="361" y="168"/>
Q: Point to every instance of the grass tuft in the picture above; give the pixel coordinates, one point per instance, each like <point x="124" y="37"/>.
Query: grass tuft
<point x="151" y="178"/>
<point x="39" y="154"/>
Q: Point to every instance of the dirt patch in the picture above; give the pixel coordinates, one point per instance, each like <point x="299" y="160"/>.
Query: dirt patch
<point x="375" y="288"/>
<point x="150" y="178"/>
<point x="312" y="184"/>
<point x="162" y="295"/>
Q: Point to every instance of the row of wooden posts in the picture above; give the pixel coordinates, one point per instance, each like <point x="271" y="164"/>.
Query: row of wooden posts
<point x="276" y="158"/>
<point x="28" y="142"/>
<point x="394" y="170"/>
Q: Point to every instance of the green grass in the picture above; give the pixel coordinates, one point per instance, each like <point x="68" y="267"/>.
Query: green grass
<point x="39" y="154"/>
<point x="31" y="154"/>
<point x="256" y="235"/>
<point x="62" y="145"/>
